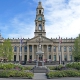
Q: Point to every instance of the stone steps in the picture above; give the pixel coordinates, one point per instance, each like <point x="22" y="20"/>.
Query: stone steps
<point x="39" y="69"/>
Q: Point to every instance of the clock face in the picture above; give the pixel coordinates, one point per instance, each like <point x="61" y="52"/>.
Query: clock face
<point x="40" y="18"/>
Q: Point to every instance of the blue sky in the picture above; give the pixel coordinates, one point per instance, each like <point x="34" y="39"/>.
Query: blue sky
<point x="17" y="18"/>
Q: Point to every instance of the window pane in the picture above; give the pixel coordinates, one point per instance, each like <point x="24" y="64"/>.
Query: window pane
<point x="49" y="48"/>
<point x="15" y="49"/>
<point x="65" y="49"/>
<point x="40" y="27"/>
<point x="70" y="49"/>
<point x="25" y="48"/>
<point x="54" y="49"/>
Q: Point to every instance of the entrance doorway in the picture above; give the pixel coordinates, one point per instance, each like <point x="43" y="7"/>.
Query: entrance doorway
<point x="25" y="59"/>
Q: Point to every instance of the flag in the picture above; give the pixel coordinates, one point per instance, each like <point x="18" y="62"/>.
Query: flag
<point x="60" y="40"/>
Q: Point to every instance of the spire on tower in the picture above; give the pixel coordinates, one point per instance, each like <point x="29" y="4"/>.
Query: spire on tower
<point x="39" y="5"/>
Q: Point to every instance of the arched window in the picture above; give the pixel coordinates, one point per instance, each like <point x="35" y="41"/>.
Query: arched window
<point x="39" y="11"/>
<point x="40" y="27"/>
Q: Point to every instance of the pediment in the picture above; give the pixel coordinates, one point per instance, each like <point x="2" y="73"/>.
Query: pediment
<point x="42" y="38"/>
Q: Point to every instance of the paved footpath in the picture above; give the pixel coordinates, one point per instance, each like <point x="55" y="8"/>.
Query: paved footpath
<point x="43" y="79"/>
<point x="39" y="76"/>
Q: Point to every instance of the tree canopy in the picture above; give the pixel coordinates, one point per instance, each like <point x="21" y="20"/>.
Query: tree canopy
<point x="6" y="50"/>
<point x="76" y="49"/>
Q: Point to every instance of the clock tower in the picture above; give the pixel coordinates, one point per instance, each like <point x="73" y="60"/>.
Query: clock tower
<point x="40" y="21"/>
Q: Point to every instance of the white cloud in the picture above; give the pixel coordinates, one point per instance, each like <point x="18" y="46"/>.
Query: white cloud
<point x="63" y="18"/>
<point x="21" y="29"/>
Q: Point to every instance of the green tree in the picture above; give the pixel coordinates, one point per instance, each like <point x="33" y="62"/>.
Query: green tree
<point x="1" y="50"/>
<point x="76" y="49"/>
<point x="7" y="50"/>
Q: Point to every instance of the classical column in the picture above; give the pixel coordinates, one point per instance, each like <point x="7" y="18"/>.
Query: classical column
<point x="52" y="52"/>
<point x="32" y="52"/>
<point x="68" y="57"/>
<point x="27" y="52"/>
<point x="57" y="55"/>
<point x="22" y="53"/>
<point x="62" y="53"/>
<point x="47" y="54"/>
<point x="18" y="53"/>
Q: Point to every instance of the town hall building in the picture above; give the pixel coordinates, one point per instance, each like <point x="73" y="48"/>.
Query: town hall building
<point x="50" y="47"/>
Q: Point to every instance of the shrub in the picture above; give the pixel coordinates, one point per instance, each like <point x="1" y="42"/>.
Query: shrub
<point x="55" y="67"/>
<point x="4" y="74"/>
<point x="75" y="65"/>
<point x="14" y="73"/>
<point x="9" y="66"/>
<point x="65" y="73"/>
<point x="27" y="68"/>
<point x="51" y="67"/>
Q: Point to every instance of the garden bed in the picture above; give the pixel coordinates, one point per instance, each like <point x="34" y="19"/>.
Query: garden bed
<point x="64" y="73"/>
<point x="10" y="70"/>
<point x="69" y="70"/>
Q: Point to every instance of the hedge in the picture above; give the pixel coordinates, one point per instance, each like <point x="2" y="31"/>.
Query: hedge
<point x="12" y="66"/>
<point x="75" y="65"/>
<point x="64" y="73"/>
<point x="14" y="73"/>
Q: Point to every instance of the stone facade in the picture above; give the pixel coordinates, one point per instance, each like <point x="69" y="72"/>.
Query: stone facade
<point x="50" y="47"/>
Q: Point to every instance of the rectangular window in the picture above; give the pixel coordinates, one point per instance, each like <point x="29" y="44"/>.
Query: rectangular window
<point x="25" y="48"/>
<point x="54" y="57"/>
<point x="49" y="48"/>
<point x="54" y="48"/>
<point x="65" y="49"/>
<point x="15" y="49"/>
<point x="70" y="49"/>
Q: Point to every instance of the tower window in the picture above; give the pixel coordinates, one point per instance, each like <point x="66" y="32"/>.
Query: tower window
<point x="39" y="11"/>
<point x="40" y="27"/>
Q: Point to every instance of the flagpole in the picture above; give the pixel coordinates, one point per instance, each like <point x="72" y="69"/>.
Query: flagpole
<point x="20" y="53"/>
<point x="59" y="51"/>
